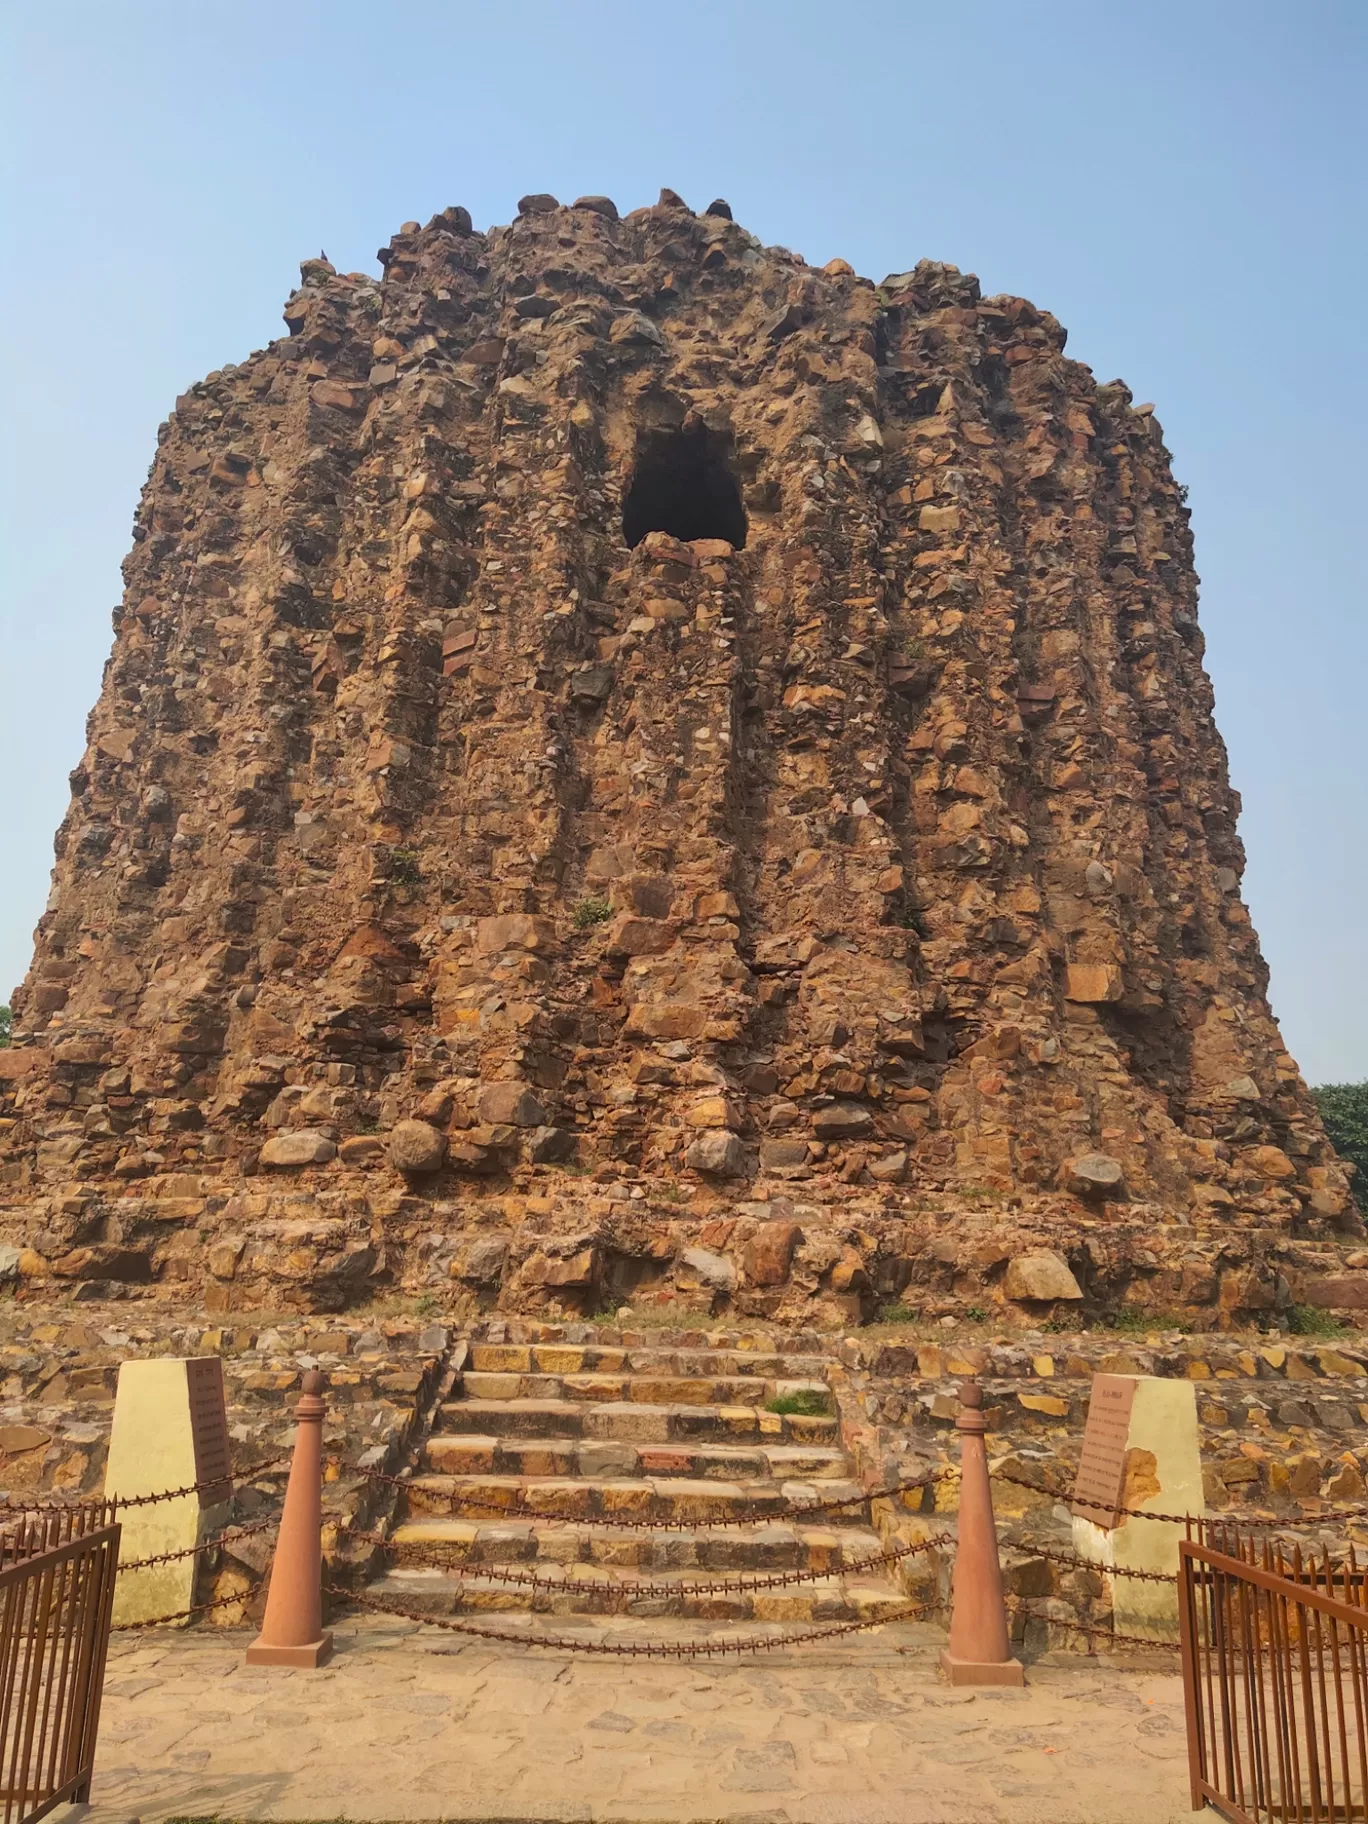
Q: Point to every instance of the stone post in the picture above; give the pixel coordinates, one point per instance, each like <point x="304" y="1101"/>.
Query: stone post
<point x="1140" y="1452"/>
<point x="170" y="1431"/>
<point x="979" y="1652"/>
<point x="292" y="1632"/>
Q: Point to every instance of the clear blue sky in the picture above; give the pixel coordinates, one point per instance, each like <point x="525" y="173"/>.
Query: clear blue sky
<point x="1181" y="184"/>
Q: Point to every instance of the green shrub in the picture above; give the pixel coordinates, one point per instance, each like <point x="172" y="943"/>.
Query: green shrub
<point x="807" y="1402"/>
<point x="1135" y="1319"/>
<point x="590" y="912"/>
<point x="975" y="1314"/>
<point x="404" y="868"/>
<point x="1344" y="1110"/>
<point x="1311" y="1320"/>
<point x="6" y="1026"/>
<point x="898" y="1313"/>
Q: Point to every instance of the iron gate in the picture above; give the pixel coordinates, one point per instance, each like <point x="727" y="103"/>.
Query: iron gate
<point x="57" y="1573"/>
<point x="1275" y="1682"/>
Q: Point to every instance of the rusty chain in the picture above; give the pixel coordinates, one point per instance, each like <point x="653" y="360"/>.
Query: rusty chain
<point x="163" y="1494"/>
<point x="518" y="1507"/>
<point x="646" y="1586"/>
<point x="195" y="1488"/>
<point x="1106" y="1507"/>
<point x="789" y="1510"/>
<point x="644" y="1649"/>
<point x="197" y="1608"/>
<point x="193" y="1551"/>
<point x="1333" y="1514"/>
<point x="1089" y="1564"/>
<point x="1078" y="1627"/>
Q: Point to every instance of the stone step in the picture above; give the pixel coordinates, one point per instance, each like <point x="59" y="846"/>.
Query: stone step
<point x="632" y="1420"/>
<point x="680" y="1501"/>
<point x="777" y="1546"/>
<point x="470" y="1453"/>
<point x="673" y="1361"/>
<point x="640" y="1389"/>
<point x="834" y="1598"/>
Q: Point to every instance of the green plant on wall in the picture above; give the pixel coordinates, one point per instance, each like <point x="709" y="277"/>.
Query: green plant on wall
<point x="6" y="1026"/>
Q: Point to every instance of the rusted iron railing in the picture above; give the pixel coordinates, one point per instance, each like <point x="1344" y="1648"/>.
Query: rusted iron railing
<point x="57" y="1571"/>
<point x="1275" y="1681"/>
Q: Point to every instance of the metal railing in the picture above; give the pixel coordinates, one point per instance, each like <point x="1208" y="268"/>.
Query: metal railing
<point x="1275" y="1681"/>
<point x="57" y="1571"/>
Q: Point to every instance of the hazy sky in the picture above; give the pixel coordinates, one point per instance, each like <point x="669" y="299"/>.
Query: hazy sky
<point x="1181" y="184"/>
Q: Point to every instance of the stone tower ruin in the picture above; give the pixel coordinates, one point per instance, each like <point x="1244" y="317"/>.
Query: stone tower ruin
<point x="632" y="767"/>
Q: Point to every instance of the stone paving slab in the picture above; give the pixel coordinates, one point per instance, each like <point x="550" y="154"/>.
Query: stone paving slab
<point x="410" y="1724"/>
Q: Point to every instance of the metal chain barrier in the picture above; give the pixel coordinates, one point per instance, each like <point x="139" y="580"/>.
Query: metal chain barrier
<point x="193" y="1551"/>
<point x="1078" y="1627"/>
<point x="195" y="1488"/>
<point x="458" y="1501"/>
<point x="1089" y="1564"/>
<point x="198" y="1608"/>
<point x="642" y="1649"/>
<point x="163" y="1494"/>
<point x="1131" y="1513"/>
<point x="1332" y="1515"/>
<point x="643" y="1586"/>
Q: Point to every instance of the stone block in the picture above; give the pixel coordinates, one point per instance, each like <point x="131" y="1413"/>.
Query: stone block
<point x="511" y="1103"/>
<point x="551" y="1145"/>
<point x="768" y="1253"/>
<point x="1337" y="1292"/>
<point x="1040" y="1276"/>
<point x="515" y="931"/>
<point x="718" y="1153"/>
<point x="781" y="1154"/>
<point x="361" y="1150"/>
<point x="701" y="1267"/>
<point x="714" y="1111"/>
<point x="298" y="1146"/>
<point x="842" y="1121"/>
<point x="416" y="1148"/>
<point x="1093" y="982"/>
<point x="666" y="1020"/>
<point x="1094" y="1175"/>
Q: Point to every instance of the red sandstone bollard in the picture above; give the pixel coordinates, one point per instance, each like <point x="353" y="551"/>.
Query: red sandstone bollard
<point x="292" y="1632"/>
<point x="979" y="1652"/>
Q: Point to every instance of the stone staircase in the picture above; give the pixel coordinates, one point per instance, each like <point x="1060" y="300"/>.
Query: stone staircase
<point x="550" y="1442"/>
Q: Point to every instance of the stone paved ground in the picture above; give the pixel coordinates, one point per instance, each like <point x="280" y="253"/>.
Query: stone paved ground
<point x="408" y="1723"/>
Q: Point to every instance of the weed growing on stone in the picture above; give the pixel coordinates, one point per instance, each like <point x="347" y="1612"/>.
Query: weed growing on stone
<point x="404" y="868"/>
<point x="1310" y="1320"/>
<point x="896" y="1314"/>
<point x="590" y="912"/>
<point x="1134" y="1321"/>
<point x="806" y="1403"/>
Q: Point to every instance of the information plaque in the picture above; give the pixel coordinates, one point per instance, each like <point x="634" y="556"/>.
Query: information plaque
<point x="1101" y="1476"/>
<point x="209" y="1429"/>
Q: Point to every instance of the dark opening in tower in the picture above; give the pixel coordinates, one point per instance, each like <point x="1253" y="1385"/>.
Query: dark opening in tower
<point x="682" y="485"/>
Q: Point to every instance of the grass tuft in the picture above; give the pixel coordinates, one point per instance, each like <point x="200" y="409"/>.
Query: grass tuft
<point x="1311" y="1320"/>
<point x="807" y="1403"/>
<point x="898" y="1313"/>
<point x="590" y="912"/>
